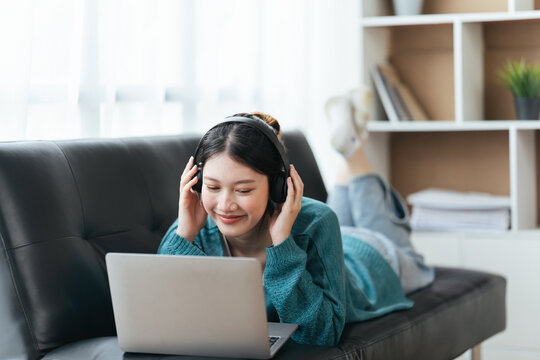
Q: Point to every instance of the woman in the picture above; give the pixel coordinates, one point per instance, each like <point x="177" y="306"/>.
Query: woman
<point x="313" y="276"/>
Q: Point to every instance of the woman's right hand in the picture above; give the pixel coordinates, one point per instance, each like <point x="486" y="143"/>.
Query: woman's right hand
<point x="191" y="213"/>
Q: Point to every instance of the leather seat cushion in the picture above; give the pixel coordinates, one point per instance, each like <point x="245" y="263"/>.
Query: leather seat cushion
<point x="459" y="310"/>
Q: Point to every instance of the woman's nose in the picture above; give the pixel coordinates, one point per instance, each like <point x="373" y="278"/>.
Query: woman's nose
<point x="227" y="202"/>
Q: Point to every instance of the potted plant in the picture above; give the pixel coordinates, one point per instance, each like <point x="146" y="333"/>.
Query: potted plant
<point x="524" y="82"/>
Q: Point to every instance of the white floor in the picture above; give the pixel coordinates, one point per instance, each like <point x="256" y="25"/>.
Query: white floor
<point x="488" y="353"/>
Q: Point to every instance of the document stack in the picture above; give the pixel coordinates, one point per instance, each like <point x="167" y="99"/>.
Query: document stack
<point x="445" y="210"/>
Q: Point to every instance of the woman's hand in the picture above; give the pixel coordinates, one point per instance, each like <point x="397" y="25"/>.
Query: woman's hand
<point x="285" y="213"/>
<point x="191" y="213"/>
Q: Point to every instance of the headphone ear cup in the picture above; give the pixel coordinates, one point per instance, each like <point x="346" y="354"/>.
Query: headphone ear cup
<point x="278" y="188"/>
<point x="199" y="175"/>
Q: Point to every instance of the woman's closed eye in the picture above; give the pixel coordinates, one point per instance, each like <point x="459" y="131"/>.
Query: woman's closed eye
<point x="244" y="191"/>
<point x="217" y="188"/>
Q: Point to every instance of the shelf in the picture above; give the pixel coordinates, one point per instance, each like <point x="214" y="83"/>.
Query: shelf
<point x="426" y="126"/>
<point x="384" y="21"/>
<point x="462" y="8"/>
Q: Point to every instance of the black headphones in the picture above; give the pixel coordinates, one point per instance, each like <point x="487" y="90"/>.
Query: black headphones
<point x="277" y="183"/>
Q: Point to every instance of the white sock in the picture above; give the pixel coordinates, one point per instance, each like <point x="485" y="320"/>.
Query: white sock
<point x="360" y="99"/>
<point x="345" y="136"/>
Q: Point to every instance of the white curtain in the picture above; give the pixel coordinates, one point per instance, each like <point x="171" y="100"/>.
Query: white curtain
<point x="110" y="68"/>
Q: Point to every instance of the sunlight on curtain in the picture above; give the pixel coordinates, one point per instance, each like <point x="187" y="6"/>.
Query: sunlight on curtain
<point x="39" y="68"/>
<point x="98" y="68"/>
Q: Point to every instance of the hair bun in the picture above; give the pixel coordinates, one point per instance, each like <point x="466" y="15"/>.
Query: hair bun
<point x="269" y="119"/>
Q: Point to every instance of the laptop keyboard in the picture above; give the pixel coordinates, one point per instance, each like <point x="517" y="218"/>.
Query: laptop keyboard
<point x="273" y="339"/>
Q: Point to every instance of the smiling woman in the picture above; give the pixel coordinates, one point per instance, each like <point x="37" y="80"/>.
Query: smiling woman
<point x="251" y="204"/>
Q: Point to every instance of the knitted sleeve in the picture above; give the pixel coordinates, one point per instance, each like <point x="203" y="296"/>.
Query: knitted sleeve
<point x="307" y="287"/>
<point x="174" y="244"/>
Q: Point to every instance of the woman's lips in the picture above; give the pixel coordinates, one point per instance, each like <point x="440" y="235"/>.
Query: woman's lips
<point x="229" y="219"/>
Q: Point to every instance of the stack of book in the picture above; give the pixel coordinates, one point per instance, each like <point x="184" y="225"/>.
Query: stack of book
<point x="398" y="101"/>
<point x="445" y="210"/>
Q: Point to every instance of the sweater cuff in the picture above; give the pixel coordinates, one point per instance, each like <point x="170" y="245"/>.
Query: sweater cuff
<point x="287" y="250"/>
<point x="183" y="247"/>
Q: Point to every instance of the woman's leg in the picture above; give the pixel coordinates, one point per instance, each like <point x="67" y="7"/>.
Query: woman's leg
<point x="362" y="199"/>
<point x="373" y="203"/>
<point x="338" y="198"/>
<point x="347" y="115"/>
<point x="381" y="218"/>
<point x="367" y="207"/>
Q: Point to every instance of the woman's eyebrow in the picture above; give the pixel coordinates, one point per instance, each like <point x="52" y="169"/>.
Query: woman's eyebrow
<point x="245" y="181"/>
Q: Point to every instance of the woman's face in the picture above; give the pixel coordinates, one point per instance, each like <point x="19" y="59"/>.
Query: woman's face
<point x="234" y="195"/>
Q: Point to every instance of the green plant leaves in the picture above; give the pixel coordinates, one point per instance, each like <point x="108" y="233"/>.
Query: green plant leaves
<point x="523" y="80"/>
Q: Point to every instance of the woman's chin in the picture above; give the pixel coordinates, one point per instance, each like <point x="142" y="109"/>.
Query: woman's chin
<point x="230" y="229"/>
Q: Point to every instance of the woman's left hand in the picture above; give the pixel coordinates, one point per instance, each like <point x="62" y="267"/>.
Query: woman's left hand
<point x="285" y="213"/>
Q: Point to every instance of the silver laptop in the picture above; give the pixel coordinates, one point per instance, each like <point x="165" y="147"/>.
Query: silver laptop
<point x="192" y="305"/>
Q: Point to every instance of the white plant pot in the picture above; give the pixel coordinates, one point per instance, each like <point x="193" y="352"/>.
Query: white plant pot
<point x="408" y="7"/>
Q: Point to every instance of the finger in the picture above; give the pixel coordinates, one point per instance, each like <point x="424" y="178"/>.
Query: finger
<point x="296" y="177"/>
<point x="190" y="174"/>
<point x="290" y="191"/>
<point x="190" y="184"/>
<point x="298" y="184"/>
<point x="188" y="165"/>
<point x="186" y="171"/>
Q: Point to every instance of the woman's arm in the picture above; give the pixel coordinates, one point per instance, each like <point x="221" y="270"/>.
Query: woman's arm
<point x="174" y="244"/>
<point x="308" y="288"/>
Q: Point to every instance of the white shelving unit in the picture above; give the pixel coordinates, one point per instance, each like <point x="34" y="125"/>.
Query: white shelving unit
<point x="448" y="59"/>
<point x="465" y="36"/>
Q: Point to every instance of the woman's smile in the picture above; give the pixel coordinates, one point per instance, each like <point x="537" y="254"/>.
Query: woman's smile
<point x="230" y="219"/>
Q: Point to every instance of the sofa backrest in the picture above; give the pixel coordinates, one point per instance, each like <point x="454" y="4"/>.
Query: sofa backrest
<point x="64" y="205"/>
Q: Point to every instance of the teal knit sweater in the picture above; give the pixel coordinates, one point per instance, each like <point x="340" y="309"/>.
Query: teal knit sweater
<point x="314" y="278"/>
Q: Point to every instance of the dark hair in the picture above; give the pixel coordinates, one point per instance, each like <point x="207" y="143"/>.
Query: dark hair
<point x="244" y="144"/>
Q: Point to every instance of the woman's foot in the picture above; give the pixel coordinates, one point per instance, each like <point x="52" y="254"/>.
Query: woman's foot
<point x="360" y="99"/>
<point x="348" y="115"/>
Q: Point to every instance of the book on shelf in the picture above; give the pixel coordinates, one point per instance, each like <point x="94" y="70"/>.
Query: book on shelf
<point x="384" y="94"/>
<point x="415" y="110"/>
<point x="445" y="210"/>
<point x="391" y="80"/>
<point x="398" y="101"/>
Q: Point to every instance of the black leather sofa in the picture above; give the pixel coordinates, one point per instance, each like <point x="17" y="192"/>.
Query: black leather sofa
<point x="65" y="204"/>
